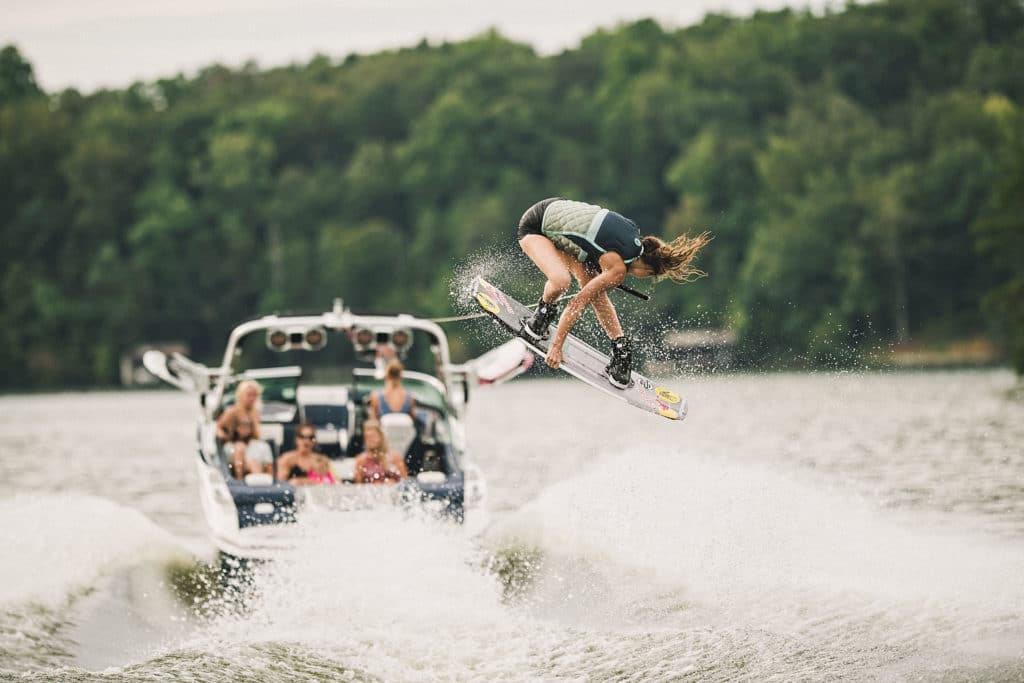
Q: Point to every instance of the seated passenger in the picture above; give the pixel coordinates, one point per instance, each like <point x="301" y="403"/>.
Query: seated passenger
<point x="303" y="465"/>
<point x="248" y="454"/>
<point x="378" y="464"/>
<point x="246" y="406"/>
<point x="393" y="398"/>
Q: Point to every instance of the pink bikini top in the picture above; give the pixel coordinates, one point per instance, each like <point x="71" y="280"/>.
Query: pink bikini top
<point x="325" y="478"/>
<point x="374" y="472"/>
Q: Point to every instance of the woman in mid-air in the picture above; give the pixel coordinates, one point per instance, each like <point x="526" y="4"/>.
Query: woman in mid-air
<point x="599" y="247"/>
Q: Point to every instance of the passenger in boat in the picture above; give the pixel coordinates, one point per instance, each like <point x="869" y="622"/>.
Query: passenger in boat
<point x="598" y="247"/>
<point x="378" y="464"/>
<point x="393" y="398"/>
<point x="303" y="465"/>
<point x="246" y="407"/>
<point x="248" y="454"/>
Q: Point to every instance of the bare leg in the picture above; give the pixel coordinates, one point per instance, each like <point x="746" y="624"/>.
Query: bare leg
<point x="607" y="316"/>
<point x="255" y="466"/>
<point x="551" y="262"/>
<point x="603" y="306"/>
<point x="238" y="461"/>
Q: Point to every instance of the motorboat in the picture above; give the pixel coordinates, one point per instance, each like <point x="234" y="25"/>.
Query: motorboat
<point x="321" y="369"/>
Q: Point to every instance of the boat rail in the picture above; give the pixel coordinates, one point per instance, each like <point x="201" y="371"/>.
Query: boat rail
<point x="339" y="319"/>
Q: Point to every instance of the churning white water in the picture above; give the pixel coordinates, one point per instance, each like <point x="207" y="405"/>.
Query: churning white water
<point x="794" y="527"/>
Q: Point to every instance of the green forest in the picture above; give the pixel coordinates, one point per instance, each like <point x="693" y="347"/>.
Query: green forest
<point x="861" y="170"/>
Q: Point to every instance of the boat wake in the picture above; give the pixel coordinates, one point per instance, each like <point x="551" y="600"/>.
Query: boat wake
<point x="84" y="566"/>
<point x="689" y="567"/>
<point x="65" y="542"/>
<point x="686" y="567"/>
<point x="378" y="592"/>
<point x="741" y="554"/>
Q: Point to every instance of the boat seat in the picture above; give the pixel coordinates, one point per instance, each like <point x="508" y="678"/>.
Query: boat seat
<point x="400" y="431"/>
<point x="262" y="448"/>
<point x="344" y="469"/>
<point x="273" y="433"/>
<point x="268" y="445"/>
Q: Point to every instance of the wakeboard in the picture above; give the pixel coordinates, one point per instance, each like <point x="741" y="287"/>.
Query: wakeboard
<point x="579" y="359"/>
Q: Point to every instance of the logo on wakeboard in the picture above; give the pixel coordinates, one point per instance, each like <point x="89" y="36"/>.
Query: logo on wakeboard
<point x="669" y="413"/>
<point x="666" y="395"/>
<point x="487" y="303"/>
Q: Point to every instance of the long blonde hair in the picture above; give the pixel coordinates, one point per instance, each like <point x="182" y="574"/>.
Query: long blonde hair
<point x="380" y="453"/>
<point x="672" y="259"/>
<point x="243" y="386"/>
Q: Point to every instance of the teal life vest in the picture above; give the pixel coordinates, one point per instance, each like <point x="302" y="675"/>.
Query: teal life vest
<point x="586" y="231"/>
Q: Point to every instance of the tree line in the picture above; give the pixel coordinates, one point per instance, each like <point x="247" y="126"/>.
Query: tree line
<point x="862" y="172"/>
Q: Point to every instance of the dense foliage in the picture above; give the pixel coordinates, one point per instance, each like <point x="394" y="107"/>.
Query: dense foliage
<point x="862" y="172"/>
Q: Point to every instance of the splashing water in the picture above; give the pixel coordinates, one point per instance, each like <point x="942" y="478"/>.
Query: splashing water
<point x="71" y="559"/>
<point x="795" y="527"/>
<point x="63" y="543"/>
<point x="381" y="595"/>
<point x="506" y="267"/>
<point x="693" y="544"/>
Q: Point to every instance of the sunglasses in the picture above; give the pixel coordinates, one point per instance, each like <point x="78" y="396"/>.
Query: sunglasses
<point x="309" y="437"/>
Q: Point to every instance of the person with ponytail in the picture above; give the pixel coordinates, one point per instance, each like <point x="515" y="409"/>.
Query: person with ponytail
<point x="393" y="398"/>
<point x="598" y="247"/>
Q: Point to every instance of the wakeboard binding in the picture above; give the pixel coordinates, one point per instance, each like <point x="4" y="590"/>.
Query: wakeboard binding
<point x="537" y="326"/>
<point x="620" y="369"/>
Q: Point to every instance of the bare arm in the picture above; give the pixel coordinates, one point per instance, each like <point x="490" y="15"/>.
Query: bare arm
<point x="357" y="475"/>
<point x="284" y="466"/>
<point x="613" y="272"/>
<point x="398" y="464"/>
<point x="225" y="424"/>
<point x="606" y="314"/>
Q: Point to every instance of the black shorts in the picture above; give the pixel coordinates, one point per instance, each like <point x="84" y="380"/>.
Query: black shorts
<point x="533" y="219"/>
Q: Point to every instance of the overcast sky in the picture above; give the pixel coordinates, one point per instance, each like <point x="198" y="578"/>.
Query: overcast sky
<point x="90" y="44"/>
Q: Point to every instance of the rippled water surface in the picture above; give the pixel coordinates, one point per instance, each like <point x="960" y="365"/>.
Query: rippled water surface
<point x="794" y="527"/>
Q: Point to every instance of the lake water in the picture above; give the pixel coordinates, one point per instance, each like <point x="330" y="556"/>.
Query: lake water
<point x="793" y="527"/>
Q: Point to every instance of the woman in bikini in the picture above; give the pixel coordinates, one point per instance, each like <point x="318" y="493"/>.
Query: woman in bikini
<point x="378" y="464"/>
<point x="239" y="424"/>
<point x="303" y="465"/>
<point x="245" y="408"/>
<point x="248" y="454"/>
